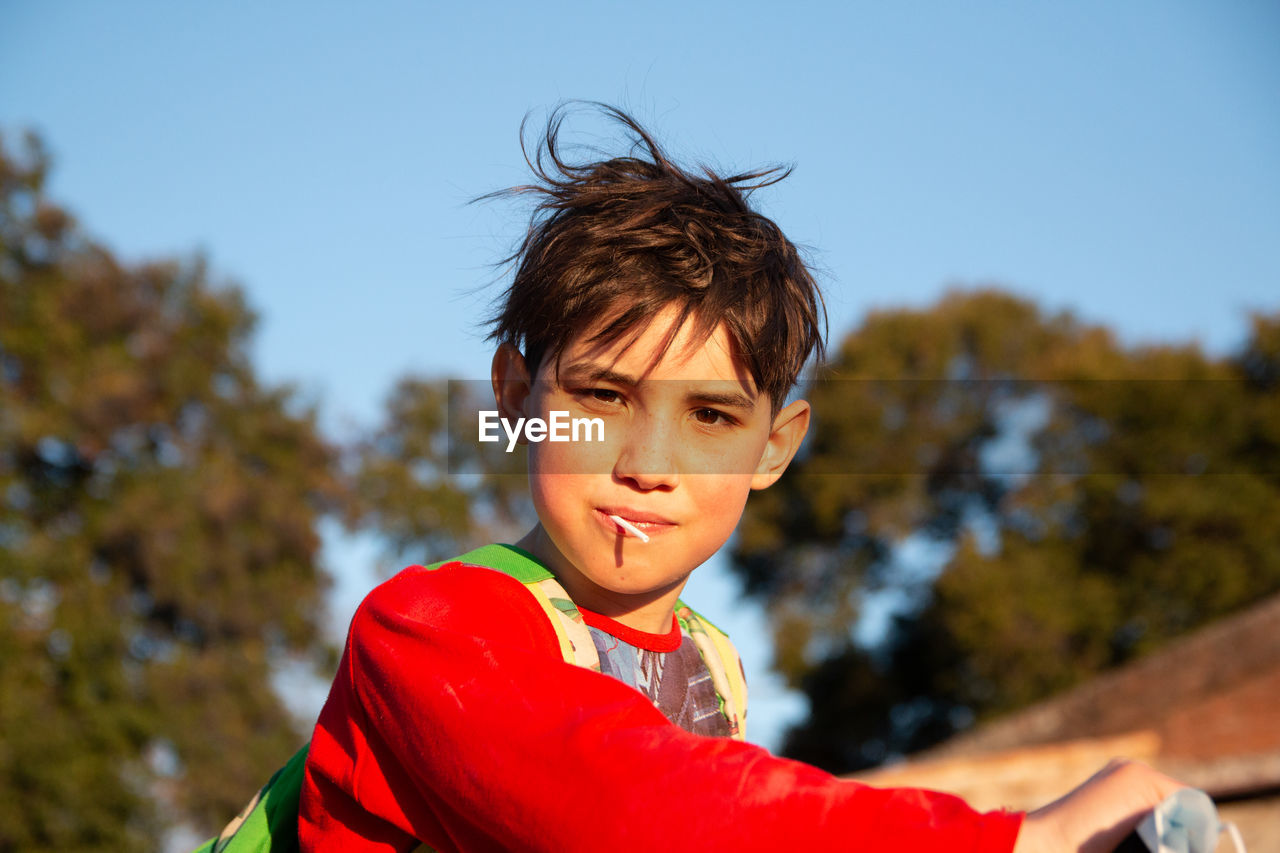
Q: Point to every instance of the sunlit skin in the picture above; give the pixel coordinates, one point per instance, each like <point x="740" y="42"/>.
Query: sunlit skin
<point x="687" y="437"/>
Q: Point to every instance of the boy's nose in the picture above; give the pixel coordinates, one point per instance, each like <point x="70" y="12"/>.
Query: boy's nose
<point x="648" y="457"/>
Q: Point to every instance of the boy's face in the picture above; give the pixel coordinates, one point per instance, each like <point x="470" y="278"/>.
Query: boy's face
<point x="686" y="438"/>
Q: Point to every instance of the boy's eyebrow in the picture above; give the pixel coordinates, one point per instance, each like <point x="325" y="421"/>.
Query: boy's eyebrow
<point x="728" y="400"/>
<point x="595" y="373"/>
<point x="598" y="373"/>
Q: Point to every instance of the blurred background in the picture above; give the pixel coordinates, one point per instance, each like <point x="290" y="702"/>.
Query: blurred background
<point x="239" y="259"/>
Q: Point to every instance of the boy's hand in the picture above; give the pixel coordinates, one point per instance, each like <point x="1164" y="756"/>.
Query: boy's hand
<point x="1096" y="817"/>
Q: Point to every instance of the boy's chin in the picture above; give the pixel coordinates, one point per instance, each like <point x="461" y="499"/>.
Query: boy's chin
<point x="638" y="575"/>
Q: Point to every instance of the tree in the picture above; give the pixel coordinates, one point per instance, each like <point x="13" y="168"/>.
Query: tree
<point x="426" y="486"/>
<point x="1143" y="506"/>
<point x="158" y="550"/>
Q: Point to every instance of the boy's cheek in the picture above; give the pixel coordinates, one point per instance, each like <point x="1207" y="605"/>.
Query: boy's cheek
<point x="552" y="458"/>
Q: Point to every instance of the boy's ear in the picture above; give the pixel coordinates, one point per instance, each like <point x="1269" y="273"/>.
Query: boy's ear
<point x="511" y="382"/>
<point x="789" y="428"/>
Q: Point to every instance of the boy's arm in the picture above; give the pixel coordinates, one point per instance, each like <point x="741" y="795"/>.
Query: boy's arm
<point x="454" y="720"/>
<point x="1096" y="816"/>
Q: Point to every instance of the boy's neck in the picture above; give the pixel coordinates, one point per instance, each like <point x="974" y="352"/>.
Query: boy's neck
<point x="650" y="611"/>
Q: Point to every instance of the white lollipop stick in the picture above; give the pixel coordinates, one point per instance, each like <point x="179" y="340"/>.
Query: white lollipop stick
<point x="630" y="528"/>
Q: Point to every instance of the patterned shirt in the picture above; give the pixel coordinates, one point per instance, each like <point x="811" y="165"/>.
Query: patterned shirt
<point x="676" y="681"/>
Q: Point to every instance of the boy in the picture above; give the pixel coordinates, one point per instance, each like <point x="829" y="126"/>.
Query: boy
<point x="656" y="301"/>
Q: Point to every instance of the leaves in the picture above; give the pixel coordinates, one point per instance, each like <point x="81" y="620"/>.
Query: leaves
<point x="1089" y="501"/>
<point x="158" y="544"/>
<point x="157" y="538"/>
<point x="421" y="482"/>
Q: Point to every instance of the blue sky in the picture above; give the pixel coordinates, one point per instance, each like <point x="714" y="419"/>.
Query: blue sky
<point x="1118" y="159"/>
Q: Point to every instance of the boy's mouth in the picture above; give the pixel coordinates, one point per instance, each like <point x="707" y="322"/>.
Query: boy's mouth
<point x="650" y="523"/>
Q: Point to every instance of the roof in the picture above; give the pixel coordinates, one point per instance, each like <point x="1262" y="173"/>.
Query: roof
<point x="1203" y="709"/>
<point x="1210" y="694"/>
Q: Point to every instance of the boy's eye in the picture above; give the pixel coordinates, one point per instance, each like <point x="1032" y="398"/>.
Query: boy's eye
<point x="711" y="417"/>
<point x="603" y="396"/>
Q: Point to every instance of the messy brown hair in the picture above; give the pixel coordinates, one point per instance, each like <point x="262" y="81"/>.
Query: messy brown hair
<point x="627" y="236"/>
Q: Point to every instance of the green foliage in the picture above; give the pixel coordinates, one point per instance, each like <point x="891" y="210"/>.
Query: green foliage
<point x="1146" y="510"/>
<point x="421" y="482"/>
<point x="158" y="549"/>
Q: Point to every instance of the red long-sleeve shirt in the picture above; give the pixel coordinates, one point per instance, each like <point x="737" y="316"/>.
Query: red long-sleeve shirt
<point x="453" y="719"/>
